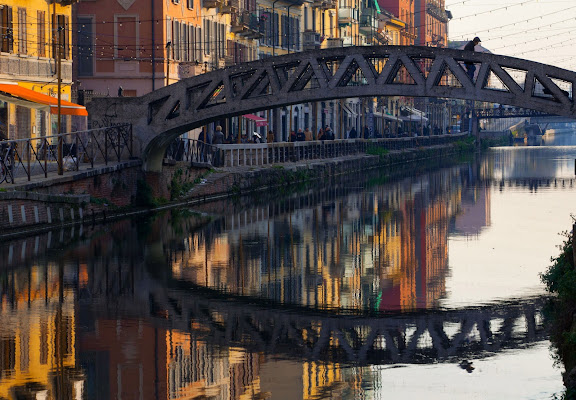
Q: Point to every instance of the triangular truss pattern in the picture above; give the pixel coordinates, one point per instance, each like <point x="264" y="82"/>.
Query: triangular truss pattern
<point x="353" y="72"/>
<point x="285" y="72"/>
<point x="306" y="80"/>
<point x="195" y="95"/>
<point x="566" y="87"/>
<point x="216" y="97"/>
<point x="447" y="77"/>
<point x="175" y="111"/>
<point x="518" y="75"/>
<point x="400" y="75"/>
<point x="154" y="107"/>
<point x="332" y="65"/>
<point x="494" y="82"/>
<point x="237" y="82"/>
<point x="377" y="63"/>
<point x="424" y="65"/>
<point x="258" y="86"/>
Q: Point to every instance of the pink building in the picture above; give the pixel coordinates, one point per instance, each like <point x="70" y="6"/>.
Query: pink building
<point x="130" y="48"/>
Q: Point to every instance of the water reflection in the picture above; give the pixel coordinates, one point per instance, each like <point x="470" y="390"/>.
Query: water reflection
<point x="314" y="295"/>
<point x="380" y="249"/>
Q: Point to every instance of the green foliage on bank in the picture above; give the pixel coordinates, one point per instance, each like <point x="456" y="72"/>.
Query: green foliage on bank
<point x="465" y="144"/>
<point x="560" y="280"/>
<point x="374" y="150"/>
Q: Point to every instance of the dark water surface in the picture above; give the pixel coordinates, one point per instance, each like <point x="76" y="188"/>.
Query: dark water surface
<point x="421" y="282"/>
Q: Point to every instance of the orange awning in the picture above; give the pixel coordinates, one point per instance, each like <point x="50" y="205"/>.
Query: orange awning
<point x="66" y="107"/>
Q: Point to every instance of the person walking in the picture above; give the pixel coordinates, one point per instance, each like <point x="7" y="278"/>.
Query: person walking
<point x="218" y="136"/>
<point x="470" y="66"/>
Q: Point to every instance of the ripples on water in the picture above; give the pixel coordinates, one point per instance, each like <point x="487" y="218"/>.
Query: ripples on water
<point x="372" y="286"/>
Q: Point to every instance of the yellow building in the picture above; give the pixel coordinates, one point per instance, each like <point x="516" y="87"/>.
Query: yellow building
<point x="38" y="338"/>
<point x="32" y="31"/>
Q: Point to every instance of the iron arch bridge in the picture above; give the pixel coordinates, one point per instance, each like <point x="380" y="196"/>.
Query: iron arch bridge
<point x="161" y="116"/>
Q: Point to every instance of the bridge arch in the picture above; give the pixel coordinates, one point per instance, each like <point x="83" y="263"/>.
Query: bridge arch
<point x="369" y="71"/>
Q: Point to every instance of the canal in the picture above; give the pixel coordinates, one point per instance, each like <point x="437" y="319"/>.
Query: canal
<point x="416" y="282"/>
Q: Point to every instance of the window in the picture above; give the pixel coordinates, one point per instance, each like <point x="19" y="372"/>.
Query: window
<point x="85" y="46"/>
<point x="169" y="37"/>
<point x="22" y="34"/>
<point x="207" y="36"/>
<point x="6" y="29"/>
<point x="60" y="34"/>
<point x="126" y="38"/>
<point x="41" y="35"/>
<point x="190" y="4"/>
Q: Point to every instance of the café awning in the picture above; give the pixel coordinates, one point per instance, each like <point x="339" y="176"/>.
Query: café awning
<point x="12" y="91"/>
<point x="259" y="120"/>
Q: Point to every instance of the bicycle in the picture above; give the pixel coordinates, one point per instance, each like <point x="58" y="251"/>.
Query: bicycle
<point x="6" y="163"/>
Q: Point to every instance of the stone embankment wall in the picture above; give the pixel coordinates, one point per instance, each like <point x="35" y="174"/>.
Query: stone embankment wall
<point x="123" y="190"/>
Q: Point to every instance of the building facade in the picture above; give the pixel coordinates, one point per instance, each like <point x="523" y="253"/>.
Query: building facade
<point x="31" y="34"/>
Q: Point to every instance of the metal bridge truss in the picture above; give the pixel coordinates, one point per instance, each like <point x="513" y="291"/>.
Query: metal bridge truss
<point x="425" y="337"/>
<point x="347" y="72"/>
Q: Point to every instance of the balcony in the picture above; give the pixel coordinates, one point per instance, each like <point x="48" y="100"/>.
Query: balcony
<point x="347" y="15"/>
<point x="228" y="9"/>
<point x="324" y="4"/>
<point x="246" y="24"/>
<point x="311" y="40"/>
<point x="212" y="3"/>
<point x="437" y="12"/>
<point x="368" y="22"/>
<point x="190" y="69"/>
<point x="334" y="42"/>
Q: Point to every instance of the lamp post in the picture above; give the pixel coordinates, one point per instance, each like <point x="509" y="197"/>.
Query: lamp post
<point x="168" y="48"/>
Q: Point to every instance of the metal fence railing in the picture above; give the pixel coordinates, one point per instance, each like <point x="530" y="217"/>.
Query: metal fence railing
<point x="23" y="159"/>
<point x="253" y="154"/>
<point x="195" y="151"/>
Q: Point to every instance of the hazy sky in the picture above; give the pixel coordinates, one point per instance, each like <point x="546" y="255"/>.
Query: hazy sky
<point x="539" y="30"/>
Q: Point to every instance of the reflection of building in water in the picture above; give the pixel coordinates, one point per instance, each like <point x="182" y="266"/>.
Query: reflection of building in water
<point x="37" y="329"/>
<point x="381" y="249"/>
<point x="197" y="370"/>
<point x="474" y="213"/>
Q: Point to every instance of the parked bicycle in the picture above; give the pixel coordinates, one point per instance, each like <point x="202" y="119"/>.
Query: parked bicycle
<point x="6" y="162"/>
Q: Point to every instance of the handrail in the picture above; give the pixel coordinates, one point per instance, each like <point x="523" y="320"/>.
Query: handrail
<point x="40" y="157"/>
<point x="252" y="154"/>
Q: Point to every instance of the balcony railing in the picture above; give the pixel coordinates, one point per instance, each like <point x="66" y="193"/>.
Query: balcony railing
<point x="324" y="4"/>
<point x="437" y="12"/>
<point x="368" y="23"/>
<point x="246" y="24"/>
<point x="212" y="3"/>
<point x="311" y="40"/>
<point x="347" y="15"/>
<point x="334" y="42"/>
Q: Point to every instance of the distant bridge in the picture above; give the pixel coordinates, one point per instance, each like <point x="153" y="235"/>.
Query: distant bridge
<point x="161" y="116"/>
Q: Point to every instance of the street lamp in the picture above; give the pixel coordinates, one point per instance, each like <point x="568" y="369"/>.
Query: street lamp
<point x="168" y="48"/>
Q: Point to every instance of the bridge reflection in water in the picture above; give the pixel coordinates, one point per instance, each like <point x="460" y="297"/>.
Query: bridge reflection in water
<point x="322" y="279"/>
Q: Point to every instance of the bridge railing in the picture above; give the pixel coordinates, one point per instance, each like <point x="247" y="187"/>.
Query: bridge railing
<point x="195" y="151"/>
<point x="23" y="159"/>
<point x="255" y="154"/>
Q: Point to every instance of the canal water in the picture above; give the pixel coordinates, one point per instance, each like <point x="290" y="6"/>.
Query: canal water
<point x="420" y="281"/>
